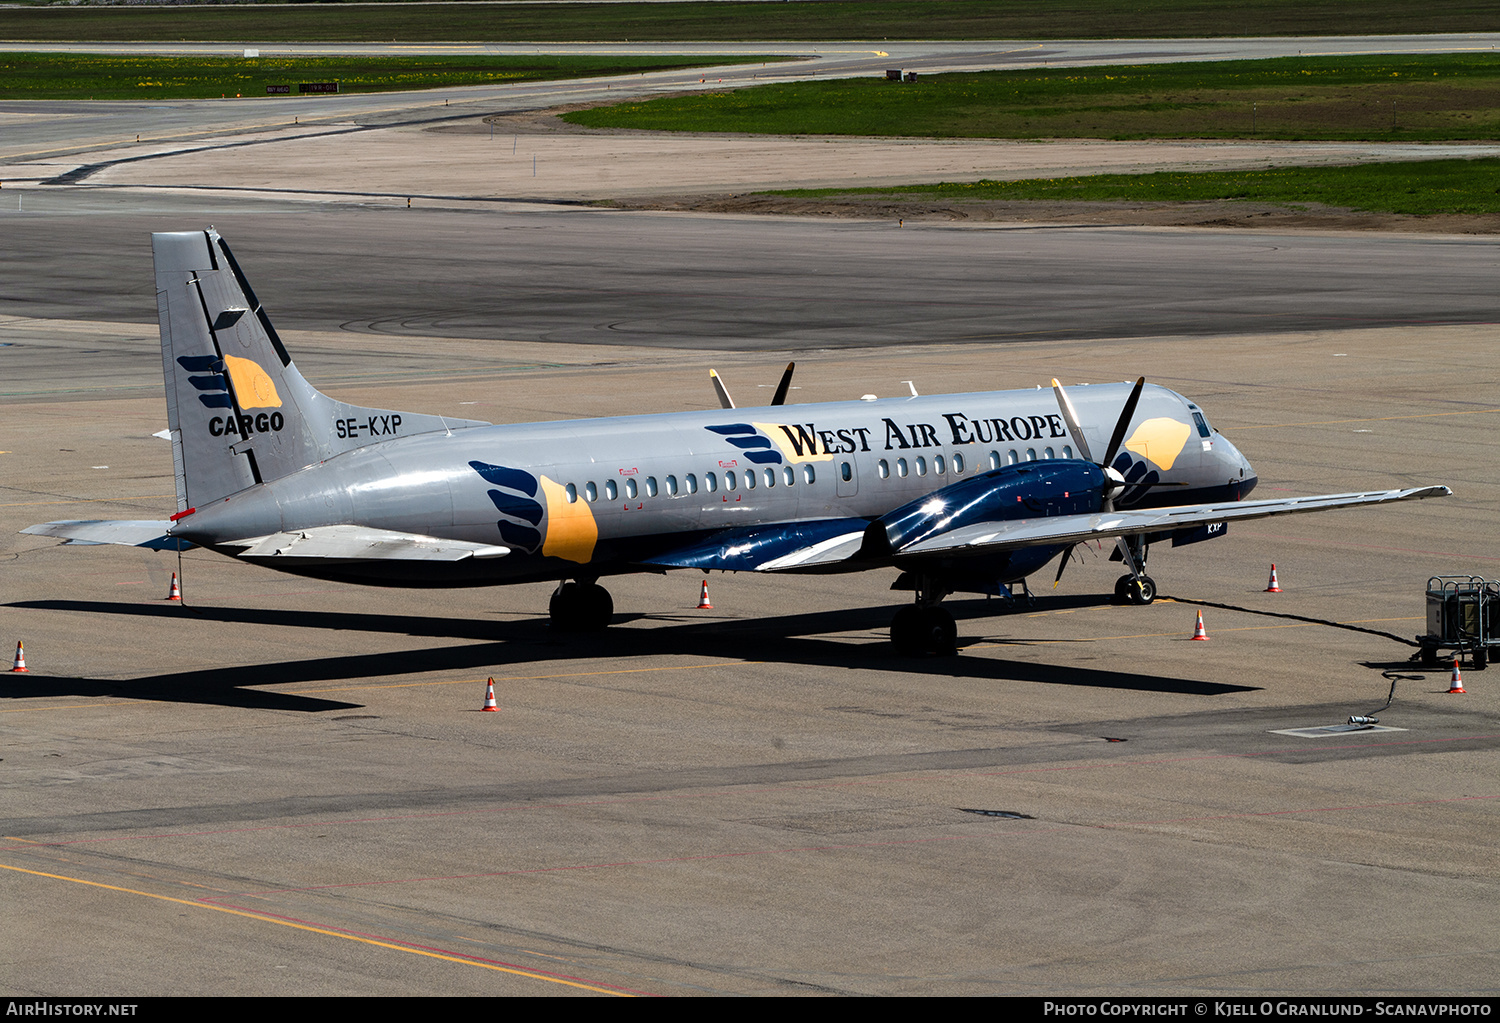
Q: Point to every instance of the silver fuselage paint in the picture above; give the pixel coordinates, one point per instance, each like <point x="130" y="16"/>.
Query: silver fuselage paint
<point x="443" y="483"/>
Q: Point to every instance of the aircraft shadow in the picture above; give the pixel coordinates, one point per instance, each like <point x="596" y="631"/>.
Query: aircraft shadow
<point x="793" y="639"/>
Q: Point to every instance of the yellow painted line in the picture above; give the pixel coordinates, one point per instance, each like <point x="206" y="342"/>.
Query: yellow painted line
<point x="71" y="706"/>
<point x="1375" y="419"/>
<point x="521" y="678"/>
<point x="1159" y="635"/>
<point x="320" y="930"/>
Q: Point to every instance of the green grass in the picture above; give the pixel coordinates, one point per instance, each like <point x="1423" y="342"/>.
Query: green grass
<point x="1411" y="98"/>
<point x="1424" y="187"/>
<point x="817" y="20"/>
<point x="86" y="76"/>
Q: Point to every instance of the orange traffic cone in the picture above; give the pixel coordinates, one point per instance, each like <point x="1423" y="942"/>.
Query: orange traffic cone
<point x="489" y="696"/>
<point x="1272" y="587"/>
<point x="1455" y="686"/>
<point x="703" y="604"/>
<point x="175" y="593"/>
<point x="1198" y="632"/>
<point x="20" y="664"/>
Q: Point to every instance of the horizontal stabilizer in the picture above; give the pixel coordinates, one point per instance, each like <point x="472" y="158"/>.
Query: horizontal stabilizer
<point x="129" y="532"/>
<point x="781" y="547"/>
<point x="983" y="537"/>
<point x="361" y="543"/>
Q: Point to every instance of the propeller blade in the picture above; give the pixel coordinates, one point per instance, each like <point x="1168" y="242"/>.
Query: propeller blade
<point x="725" y="401"/>
<point x="1071" y="418"/>
<point x="1124" y="423"/>
<point x="1063" y="563"/>
<point x="785" y="385"/>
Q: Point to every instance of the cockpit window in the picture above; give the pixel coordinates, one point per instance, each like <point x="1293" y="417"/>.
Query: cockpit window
<point x="1203" y="429"/>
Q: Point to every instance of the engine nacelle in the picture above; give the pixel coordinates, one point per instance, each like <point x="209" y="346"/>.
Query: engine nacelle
<point x="1030" y="490"/>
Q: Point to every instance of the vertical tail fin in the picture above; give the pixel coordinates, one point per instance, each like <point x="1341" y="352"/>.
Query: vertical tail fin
<point x="238" y="410"/>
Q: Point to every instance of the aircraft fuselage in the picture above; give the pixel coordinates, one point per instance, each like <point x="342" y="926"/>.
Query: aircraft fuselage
<point x="587" y="498"/>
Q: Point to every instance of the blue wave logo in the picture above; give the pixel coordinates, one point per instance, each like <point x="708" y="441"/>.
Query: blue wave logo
<point x="756" y="445"/>
<point x="1138" y="479"/>
<point x="216" y="390"/>
<point x="515" y="501"/>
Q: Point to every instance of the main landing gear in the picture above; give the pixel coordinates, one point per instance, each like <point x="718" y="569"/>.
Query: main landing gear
<point x="581" y="607"/>
<point x="925" y="627"/>
<point x="1131" y="589"/>
<point x="1137" y="587"/>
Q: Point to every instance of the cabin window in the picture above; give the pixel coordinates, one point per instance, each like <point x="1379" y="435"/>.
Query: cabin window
<point x="710" y="481"/>
<point x="1067" y="451"/>
<point x="630" y="489"/>
<point x="789" y="475"/>
<point x="671" y="486"/>
<point x="749" y="479"/>
<point x="883" y="469"/>
<point x="808" y="476"/>
<point x="651" y="486"/>
<point x="610" y="490"/>
<point x="958" y="463"/>
<point x="1047" y="453"/>
<point x="770" y="477"/>
<point x="590" y="492"/>
<point x="572" y="493"/>
<point x="901" y="467"/>
<point x="938" y="465"/>
<point x="1011" y="458"/>
<point x="1031" y="454"/>
<point x="692" y="483"/>
<point x="730" y="480"/>
<point x="994" y="459"/>
<point x="921" y="466"/>
<point x="846" y="471"/>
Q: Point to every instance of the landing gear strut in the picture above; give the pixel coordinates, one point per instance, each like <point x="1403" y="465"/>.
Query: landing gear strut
<point x="925" y="627"/>
<point x="581" y="607"/>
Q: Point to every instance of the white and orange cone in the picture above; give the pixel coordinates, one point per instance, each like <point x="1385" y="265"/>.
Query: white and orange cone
<point x="175" y="593"/>
<point x="703" y="604"/>
<point x="1455" y="686"/>
<point x="1198" y="630"/>
<point x="20" y="664"/>
<point x="1273" y="586"/>
<point x="489" y="696"/>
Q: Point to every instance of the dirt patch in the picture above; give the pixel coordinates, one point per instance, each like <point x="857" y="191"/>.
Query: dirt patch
<point x="1216" y="214"/>
<point x="1212" y="214"/>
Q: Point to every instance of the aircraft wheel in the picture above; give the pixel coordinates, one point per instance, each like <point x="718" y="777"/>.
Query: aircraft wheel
<point x="1141" y="591"/>
<point x="599" y="607"/>
<point x="924" y="630"/>
<point x="939" y="631"/>
<point x="906" y="631"/>
<point x="581" y="607"/>
<point x="1121" y="597"/>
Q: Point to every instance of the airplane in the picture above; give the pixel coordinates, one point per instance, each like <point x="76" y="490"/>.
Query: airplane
<point x="963" y="493"/>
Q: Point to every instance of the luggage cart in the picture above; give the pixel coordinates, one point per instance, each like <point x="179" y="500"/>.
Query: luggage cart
<point x="1463" y="614"/>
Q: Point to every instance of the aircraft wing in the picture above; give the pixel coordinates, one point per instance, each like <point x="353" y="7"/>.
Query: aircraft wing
<point x="360" y="543"/>
<point x="778" y="547"/>
<point x="129" y="532"/>
<point x="1066" y="529"/>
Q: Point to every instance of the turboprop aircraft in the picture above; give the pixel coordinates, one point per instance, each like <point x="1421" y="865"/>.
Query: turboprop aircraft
<point x="963" y="493"/>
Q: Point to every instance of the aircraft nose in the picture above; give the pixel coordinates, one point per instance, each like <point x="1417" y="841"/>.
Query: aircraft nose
<point x="1242" y="477"/>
